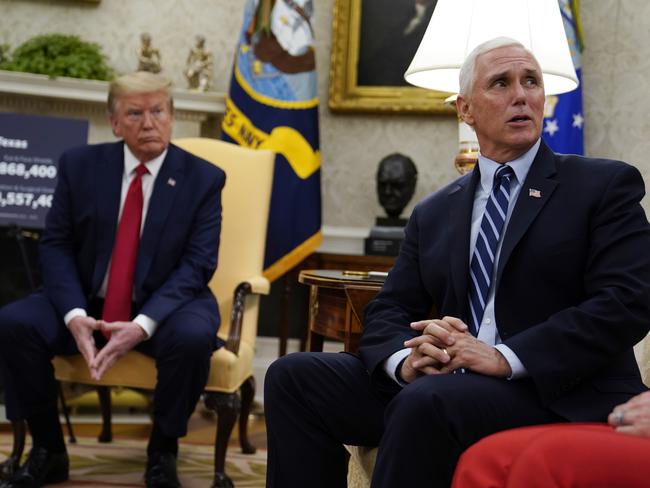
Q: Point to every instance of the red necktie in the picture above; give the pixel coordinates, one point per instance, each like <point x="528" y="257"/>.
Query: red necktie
<point x="119" y="292"/>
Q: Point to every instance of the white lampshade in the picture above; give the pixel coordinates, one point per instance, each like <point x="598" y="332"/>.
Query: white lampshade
<point x="458" y="26"/>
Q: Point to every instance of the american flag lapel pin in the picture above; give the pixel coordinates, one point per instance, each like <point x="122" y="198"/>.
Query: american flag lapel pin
<point x="532" y="192"/>
<point x="171" y="182"/>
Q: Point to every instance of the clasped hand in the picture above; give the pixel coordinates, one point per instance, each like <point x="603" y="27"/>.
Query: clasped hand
<point x="633" y="416"/>
<point x="445" y="345"/>
<point x="124" y="337"/>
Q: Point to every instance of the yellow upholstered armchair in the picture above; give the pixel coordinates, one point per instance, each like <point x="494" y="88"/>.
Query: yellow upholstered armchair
<point x="237" y="284"/>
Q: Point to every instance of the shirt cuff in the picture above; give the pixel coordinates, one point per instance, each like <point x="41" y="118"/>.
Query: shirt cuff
<point x="75" y="312"/>
<point x="147" y="324"/>
<point x="516" y="366"/>
<point x="393" y="362"/>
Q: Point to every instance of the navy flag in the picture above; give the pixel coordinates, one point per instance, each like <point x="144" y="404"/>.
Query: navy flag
<point x="273" y="104"/>
<point x="563" y="116"/>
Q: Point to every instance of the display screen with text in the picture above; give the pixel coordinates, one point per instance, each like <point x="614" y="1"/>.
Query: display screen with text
<point x="30" y="147"/>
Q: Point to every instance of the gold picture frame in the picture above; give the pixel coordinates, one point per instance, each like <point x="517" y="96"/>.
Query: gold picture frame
<point x="346" y="95"/>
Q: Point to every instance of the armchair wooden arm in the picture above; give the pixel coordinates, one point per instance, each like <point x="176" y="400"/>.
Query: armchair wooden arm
<point x="258" y="285"/>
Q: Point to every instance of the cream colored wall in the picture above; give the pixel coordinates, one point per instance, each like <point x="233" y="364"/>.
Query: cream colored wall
<point x="616" y="70"/>
<point x="616" y="67"/>
<point x="117" y="24"/>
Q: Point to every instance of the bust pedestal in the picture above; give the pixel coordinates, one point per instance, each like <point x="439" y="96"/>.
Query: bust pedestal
<point x="386" y="237"/>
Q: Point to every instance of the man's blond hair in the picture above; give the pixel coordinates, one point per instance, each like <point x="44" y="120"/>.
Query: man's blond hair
<point x="138" y="82"/>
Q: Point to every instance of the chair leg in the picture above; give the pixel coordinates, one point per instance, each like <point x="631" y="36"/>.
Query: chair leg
<point x="247" y="396"/>
<point x="104" y="393"/>
<point x="66" y="414"/>
<point x="227" y="406"/>
<point x="11" y="464"/>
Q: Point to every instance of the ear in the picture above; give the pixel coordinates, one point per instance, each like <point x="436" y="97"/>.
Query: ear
<point x="463" y="107"/>
<point x="115" y="125"/>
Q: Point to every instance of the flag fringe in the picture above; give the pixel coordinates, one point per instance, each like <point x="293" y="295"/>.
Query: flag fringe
<point x="295" y="256"/>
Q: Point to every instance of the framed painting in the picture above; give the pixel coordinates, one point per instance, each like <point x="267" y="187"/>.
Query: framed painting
<point x="373" y="42"/>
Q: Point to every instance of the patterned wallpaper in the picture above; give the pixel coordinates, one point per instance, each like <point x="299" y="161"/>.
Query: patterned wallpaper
<point x="616" y="70"/>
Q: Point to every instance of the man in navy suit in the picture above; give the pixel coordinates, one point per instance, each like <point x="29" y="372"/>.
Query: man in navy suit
<point x="171" y="313"/>
<point x="567" y="296"/>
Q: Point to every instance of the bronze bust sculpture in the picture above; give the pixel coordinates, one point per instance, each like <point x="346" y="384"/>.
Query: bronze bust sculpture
<point x="396" y="179"/>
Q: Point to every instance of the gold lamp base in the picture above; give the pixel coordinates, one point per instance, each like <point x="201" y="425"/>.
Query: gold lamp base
<point x="465" y="160"/>
<point x="467" y="156"/>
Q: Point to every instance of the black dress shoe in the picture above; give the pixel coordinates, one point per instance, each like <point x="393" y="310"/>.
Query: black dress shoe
<point x="161" y="471"/>
<point x="41" y="468"/>
<point x="221" y="480"/>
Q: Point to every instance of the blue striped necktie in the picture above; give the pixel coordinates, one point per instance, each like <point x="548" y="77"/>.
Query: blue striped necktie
<point x="487" y="242"/>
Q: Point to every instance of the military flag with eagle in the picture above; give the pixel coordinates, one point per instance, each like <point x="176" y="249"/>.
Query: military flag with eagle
<point x="273" y="104"/>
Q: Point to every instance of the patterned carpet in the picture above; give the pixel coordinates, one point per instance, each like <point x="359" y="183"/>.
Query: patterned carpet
<point x="121" y="463"/>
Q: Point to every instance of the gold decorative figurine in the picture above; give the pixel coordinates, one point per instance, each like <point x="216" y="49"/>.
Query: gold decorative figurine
<point x="148" y="56"/>
<point x="198" y="69"/>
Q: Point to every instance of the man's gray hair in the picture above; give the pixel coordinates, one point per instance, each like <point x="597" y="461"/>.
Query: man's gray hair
<point x="468" y="68"/>
<point x="138" y="82"/>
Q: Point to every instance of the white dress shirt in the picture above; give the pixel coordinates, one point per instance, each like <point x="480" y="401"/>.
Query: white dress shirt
<point x="130" y="164"/>
<point x="488" y="331"/>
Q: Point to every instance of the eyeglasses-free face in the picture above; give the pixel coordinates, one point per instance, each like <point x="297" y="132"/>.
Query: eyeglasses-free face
<point x="144" y="121"/>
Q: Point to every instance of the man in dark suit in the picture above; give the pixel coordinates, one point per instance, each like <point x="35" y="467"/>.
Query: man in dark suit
<point x="537" y="264"/>
<point x="129" y="247"/>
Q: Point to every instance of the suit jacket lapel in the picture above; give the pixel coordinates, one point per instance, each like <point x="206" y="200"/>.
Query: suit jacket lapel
<point x="108" y="188"/>
<point x="528" y="207"/>
<point x="461" y="202"/>
<point x="167" y="184"/>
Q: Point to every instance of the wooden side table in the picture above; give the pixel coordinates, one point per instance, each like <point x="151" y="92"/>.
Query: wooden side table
<point x="323" y="261"/>
<point x="336" y="302"/>
<point x="356" y="262"/>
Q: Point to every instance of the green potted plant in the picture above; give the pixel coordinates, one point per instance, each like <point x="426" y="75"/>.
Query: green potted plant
<point x="59" y="55"/>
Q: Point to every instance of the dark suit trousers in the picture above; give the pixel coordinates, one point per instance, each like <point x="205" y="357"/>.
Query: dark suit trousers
<point x="31" y="333"/>
<point x="316" y="402"/>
